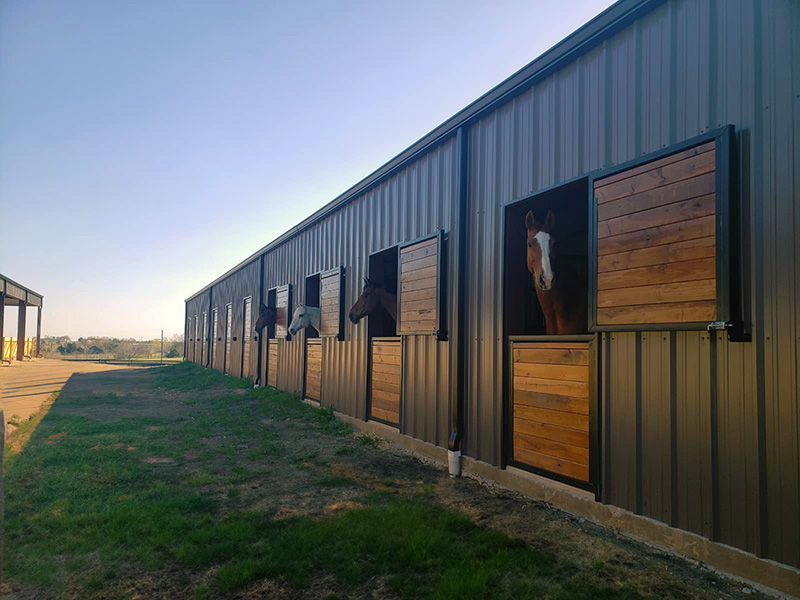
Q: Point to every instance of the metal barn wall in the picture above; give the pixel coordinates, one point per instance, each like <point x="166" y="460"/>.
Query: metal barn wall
<point x="418" y="200"/>
<point x="699" y="433"/>
<point x="234" y="289"/>
<point x="195" y="307"/>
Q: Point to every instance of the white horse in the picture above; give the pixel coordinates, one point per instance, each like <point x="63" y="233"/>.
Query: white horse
<point x="303" y="317"/>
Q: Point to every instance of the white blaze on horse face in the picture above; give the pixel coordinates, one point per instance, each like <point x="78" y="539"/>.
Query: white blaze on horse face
<point x="547" y="269"/>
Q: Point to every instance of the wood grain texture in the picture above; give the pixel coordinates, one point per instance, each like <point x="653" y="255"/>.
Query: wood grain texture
<point x="418" y="284"/>
<point x="272" y="363"/>
<point x="551" y="406"/>
<point x="385" y="379"/>
<point x="282" y="311"/>
<point x="313" y="368"/>
<point x="330" y="309"/>
<point x="656" y="248"/>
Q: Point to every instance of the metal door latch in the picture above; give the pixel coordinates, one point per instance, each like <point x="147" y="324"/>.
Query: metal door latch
<point x="718" y="326"/>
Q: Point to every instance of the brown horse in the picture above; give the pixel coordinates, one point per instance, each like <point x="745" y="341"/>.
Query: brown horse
<point x="266" y="316"/>
<point x="562" y="294"/>
<point x="373" y="296"/>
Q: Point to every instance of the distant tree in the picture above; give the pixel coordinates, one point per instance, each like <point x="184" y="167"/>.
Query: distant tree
<point x="172" y="352"/>
<point x="95" y="350"/>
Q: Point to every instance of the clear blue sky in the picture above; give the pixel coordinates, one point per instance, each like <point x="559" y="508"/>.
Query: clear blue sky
<point x="147" y="147"/>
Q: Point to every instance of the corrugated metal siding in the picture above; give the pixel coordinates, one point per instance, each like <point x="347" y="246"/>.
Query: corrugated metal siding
<point x="195" y="308"/>
<point x="233" y="290"/>
<point x="695" y="436"/>
<point x="417" y="201"/>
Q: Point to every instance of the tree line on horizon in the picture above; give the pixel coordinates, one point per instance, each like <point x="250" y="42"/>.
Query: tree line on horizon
<point x="111" y="347"/>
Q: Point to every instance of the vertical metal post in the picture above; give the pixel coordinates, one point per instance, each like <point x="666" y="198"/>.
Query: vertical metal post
<point x="23" y="314"/>
<point x="38" y="331"/>
<point x="162" y="346"/>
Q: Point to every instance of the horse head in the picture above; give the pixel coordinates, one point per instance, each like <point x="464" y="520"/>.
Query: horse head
<point x="301" y="319"/>
<point x="266" y="316"/>
<point x="541" y="249"/>
<point x="367" y="302"/>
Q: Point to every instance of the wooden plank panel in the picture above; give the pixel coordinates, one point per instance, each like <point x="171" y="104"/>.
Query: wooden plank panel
<point x="388" y="387"/>
<point x="419" y="264"/>
<point x="426" y="304"/>
<point x="690" y="270"/>
<point x="423" y="294"/>
<point x="566" y="356"/>
<point x="411" y="252"/>
<point x="684" y="169"/>
<point x="687" y="291"/>
<point x="384" y="368"/>
<point x="559" y="418"/>
<point x="384" y="395"/>
<point x="386" y="359"/>
<point x="553" y="448"/>
<point x="390" y="406"/>
<point x="575" y="389"/>
<point x="390" y="416"/>
<point x="272" y="363"/>
<point x="668" y="194"/>
<point x="390" y="378"/>
<point x="705" y="247"/>
<point x="422" y="284"/>
<point x="550" y="371"/>
<point x="667" y="160"/>
<point x="656" y="236"/>
<point x="549" y="463"/>
<point x="663" y="215"/>
<point x="392" y="348"/>
<point x="678" y="312"/>
<point x="552" y="432"/>
<point x="426" y="273"/>
<point x="418" y="315"/>
<point x="553" y="402"/>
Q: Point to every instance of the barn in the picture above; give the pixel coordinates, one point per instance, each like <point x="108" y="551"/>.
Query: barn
<point x="658" y="144"/>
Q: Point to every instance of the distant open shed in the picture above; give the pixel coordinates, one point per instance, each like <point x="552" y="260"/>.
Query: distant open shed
<point x="21" y="297"/>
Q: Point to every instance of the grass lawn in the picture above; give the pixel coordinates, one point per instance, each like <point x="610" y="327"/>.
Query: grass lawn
<point x="180" y="482"/>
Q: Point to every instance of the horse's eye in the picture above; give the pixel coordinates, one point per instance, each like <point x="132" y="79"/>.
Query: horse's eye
<point x="530" y="245"/>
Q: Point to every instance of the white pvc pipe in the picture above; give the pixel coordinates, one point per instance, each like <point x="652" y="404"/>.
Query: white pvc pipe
<point x="454" y="462"/>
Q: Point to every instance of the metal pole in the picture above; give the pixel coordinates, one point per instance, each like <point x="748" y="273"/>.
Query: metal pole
<point x="162" y="346"/>
<point x="38" y="331"/>
<point x="2" y="492"/>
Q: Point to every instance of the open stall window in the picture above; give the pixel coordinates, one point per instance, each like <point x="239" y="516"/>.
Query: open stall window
<point x="662" y="230"/>
<point x="420" y="302"/>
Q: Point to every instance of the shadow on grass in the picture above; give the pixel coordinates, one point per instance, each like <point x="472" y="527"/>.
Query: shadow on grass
<point x="88" y="496"/>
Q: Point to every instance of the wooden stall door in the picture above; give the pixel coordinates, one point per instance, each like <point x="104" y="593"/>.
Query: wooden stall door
<point x="283" y="308"/>
<point x="226" y="362"/>
<point x="313" y="368"/>
<point x="247" y="326"/>
<point x="196" y="357"/>
<point x="204" y="342"/>
<point x="189" y="340"/>
<point x="272" y="362"/>
<point x="419" y="277"/>
<point x="385" y="380"/>
<point x="214" y="334"/>
<point x="656" y="241"/>
<point x="330" y="304"/>
<point x="551" y="407"/>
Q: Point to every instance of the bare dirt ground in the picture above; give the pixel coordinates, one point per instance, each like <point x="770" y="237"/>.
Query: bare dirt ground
<point x="178" y="482"/>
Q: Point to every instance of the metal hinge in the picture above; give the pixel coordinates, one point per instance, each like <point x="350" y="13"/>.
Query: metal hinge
<point x="718" y="326"/>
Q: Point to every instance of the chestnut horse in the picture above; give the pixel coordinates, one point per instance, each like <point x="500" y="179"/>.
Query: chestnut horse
<point x="373" y="296"/>
<point x="266" y="316"/>
<point x="562" y="294"/>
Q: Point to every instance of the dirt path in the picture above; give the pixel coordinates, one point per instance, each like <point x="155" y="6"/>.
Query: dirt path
<point x="180" y="482"/>
<point x="24" y="386"/>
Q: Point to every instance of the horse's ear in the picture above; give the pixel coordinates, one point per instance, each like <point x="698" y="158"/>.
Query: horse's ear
<point x="366" y="282"/>
<point x="550" y="221"/>
<point x="530" y="221"/>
